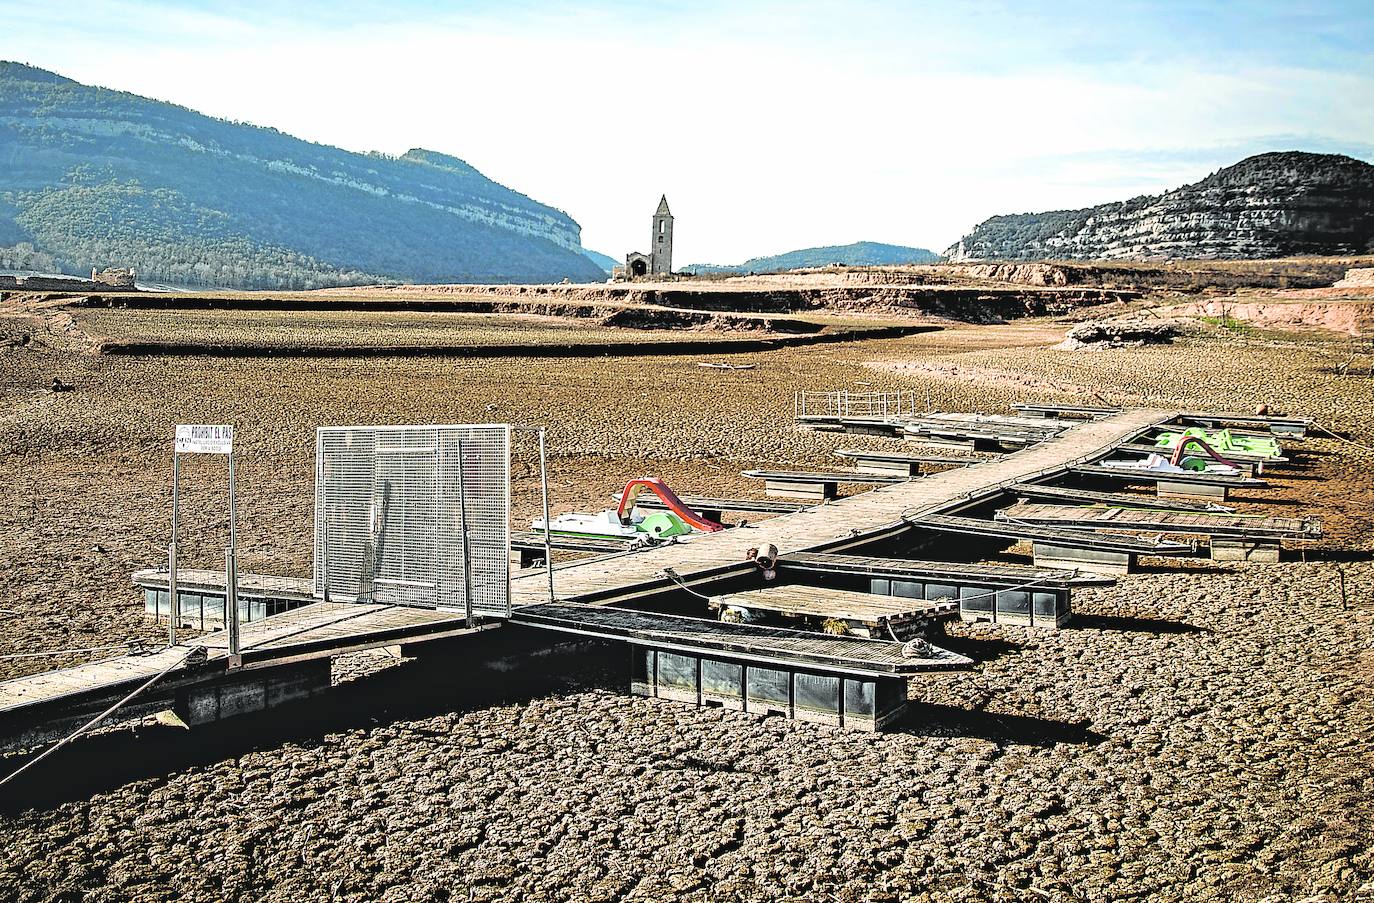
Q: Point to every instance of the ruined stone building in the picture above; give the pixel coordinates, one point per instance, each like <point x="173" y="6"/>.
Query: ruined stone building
<point x="659" y="260"/>
<point x="117" y="277"/>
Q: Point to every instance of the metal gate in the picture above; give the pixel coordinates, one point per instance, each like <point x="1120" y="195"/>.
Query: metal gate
<point x="414" y="515"/>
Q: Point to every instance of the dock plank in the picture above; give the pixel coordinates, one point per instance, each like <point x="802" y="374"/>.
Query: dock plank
<point x="825" y="602"/>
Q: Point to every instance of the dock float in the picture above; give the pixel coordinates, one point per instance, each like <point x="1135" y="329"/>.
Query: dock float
<point x="1061" y="548"/>
<point x="1291" y="427"/>
<point x="1016" y="593"/>
<point x="851" y="613"/>
<point x="527" y="546"/>
<point x="974" y="431"/>
<point x="1174" y="485"/>
<point x="201" y="592"/>
<point x="1052" y="411"/>
<point x="1249" y="537"/>
<point x="1116" y="499"/>
<point x="861" y="426"/>
<point x="283" y="658"/>
<point x="844" y="681"/>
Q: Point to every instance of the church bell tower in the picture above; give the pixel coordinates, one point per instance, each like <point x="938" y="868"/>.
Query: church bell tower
<point x="661" y="242"/>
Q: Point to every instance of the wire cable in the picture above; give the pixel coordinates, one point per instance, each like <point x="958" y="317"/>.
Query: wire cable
<point x="103" y="715"/>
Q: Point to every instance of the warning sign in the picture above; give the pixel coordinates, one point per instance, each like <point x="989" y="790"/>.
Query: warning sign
<point x="205" y="439"/>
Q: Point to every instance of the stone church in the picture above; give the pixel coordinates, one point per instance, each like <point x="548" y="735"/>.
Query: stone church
<point x="659" y="261"/>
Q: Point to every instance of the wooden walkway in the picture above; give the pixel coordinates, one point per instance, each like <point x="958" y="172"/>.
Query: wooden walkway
<point x="840" y="524"/>
<point x="318" y="630"/>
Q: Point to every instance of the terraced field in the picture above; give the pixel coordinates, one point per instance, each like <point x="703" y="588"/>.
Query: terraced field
<point x="352" y="329"/>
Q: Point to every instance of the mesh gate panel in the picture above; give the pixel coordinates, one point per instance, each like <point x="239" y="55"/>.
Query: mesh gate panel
<point x="390" y="507"/>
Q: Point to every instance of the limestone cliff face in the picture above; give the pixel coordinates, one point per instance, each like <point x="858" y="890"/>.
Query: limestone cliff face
<point x="91" y="177"/>
<point x="1270" y="205"/>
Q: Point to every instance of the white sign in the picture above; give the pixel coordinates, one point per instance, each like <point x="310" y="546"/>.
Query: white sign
<point x="205" y="439"/>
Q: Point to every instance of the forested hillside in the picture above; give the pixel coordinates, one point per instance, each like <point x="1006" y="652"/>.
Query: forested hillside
<point x="93" y="177"/>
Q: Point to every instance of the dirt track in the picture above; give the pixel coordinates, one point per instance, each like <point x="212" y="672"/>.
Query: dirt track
<point x="1202" y="733"/>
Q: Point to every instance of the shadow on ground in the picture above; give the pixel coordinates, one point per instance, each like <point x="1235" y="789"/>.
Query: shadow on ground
<point x="1134" y="625"/>
<point x="416" y="689"/>
<point x="1337" y="555"/>
<point x="411" y="690"/>
<point x="947" y="720"/>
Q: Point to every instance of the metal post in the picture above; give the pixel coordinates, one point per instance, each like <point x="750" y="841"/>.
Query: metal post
<point x="173" y="596"/>
<point x="548" y="527"/>
<point x="231" y="581"/>
<point x="463" y="528"/>
<point x="323" y="490"/>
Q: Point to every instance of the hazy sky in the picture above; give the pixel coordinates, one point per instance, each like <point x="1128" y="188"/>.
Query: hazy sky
<point x="770" y="126"/>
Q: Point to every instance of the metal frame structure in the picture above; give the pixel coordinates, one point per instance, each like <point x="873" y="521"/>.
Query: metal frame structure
<point x="853" y="404"/>
<point x="414" y="515"/>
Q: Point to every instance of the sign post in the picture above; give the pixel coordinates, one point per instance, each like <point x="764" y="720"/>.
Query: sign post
<point x="173" y="598"/>
<point x="206" y="439"/>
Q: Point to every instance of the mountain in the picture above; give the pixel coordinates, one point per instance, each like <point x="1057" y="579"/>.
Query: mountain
<point x="861" y="253"/>
<point x="1270" y="205"/>
<point x="93" y="177"/>
<point x="605" y="261"/>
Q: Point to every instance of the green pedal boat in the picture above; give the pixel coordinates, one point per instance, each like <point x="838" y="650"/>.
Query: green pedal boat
<point x="1223" y="441"/>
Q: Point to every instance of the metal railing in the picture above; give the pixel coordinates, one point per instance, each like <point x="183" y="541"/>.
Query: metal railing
<point x="853" y="404"/>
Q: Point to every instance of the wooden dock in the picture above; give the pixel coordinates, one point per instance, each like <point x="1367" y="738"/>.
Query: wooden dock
<point x="864" y="614"/>
<point x="999" y="575"/>
<point x="844" y="523"/>
<point x="1079" y="496"/>
<point x="317" y="631"/>
<point x="769" y="645"/>
<point x="1102" y="517"/>
<point x="311" y="634"/>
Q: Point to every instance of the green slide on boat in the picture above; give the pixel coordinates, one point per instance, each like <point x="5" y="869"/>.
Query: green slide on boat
<point x="1223" y="441"/>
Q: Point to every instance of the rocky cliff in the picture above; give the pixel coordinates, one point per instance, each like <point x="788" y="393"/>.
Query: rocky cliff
<point x="1270" y="205"/>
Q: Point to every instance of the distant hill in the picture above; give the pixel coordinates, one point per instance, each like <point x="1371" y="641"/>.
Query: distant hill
<point x="604" y="261"/>
<point x="861" y="253"/>
<point x="1270" y="205"/>
<point x="93" y="177"/>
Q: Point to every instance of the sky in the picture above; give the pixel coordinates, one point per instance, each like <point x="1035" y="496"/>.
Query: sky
<point x="769" y="126"/>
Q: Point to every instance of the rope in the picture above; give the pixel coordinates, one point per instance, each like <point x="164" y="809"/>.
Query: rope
<point x="103" y="715"/>
<point x="672" y="575"/>
<point x="1328" y="432"/>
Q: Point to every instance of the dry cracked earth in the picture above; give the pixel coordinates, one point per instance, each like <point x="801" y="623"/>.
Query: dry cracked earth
<point x="1199" y="732"/>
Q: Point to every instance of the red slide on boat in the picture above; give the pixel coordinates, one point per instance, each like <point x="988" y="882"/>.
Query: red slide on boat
<point x="669" y="498"/>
